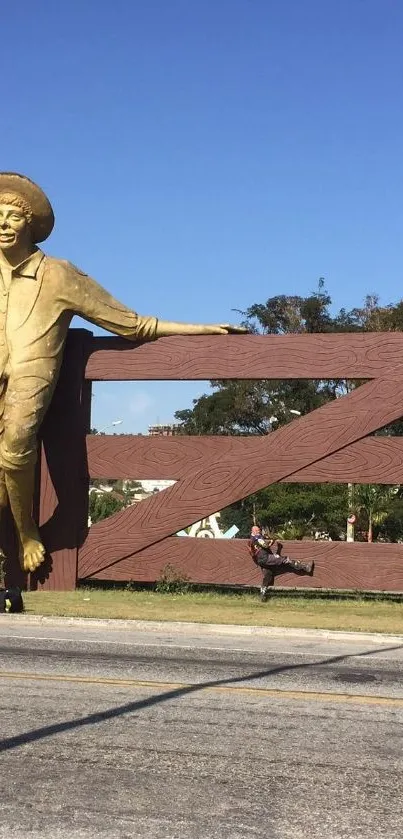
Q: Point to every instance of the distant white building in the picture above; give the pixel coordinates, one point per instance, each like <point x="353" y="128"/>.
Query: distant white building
<point x="155" y="486"/>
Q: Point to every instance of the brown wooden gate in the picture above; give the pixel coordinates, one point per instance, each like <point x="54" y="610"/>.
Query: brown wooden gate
<point x="333" y="443"/>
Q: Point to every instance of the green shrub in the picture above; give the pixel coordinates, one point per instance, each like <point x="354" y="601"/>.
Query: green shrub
<point x="172" y="581"/>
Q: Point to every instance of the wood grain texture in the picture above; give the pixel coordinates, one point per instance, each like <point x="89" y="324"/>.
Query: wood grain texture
<point x="377" y="460"/>
<point x="222" y="478"/>
<point x="343" y="355"/>
<point x="63" y="504"/>
<point x="338" y="565"/>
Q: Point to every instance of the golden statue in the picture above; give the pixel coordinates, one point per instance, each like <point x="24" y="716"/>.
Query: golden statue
<point x="38" y="297"/>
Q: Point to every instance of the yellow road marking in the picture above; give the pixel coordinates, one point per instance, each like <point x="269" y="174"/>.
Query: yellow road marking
<point x="270" y="693"/>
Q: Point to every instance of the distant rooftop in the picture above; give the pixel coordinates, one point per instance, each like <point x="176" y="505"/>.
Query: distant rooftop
<point x="163" y="430"/>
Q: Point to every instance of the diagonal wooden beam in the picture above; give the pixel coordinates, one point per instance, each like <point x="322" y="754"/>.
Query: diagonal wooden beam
<point x="222" y="479"/>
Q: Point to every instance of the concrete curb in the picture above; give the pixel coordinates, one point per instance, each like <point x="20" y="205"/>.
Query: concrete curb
<point x="181" y="627"/>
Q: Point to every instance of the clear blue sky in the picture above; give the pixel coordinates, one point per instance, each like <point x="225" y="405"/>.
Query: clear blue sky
<point x="203" y="155"/>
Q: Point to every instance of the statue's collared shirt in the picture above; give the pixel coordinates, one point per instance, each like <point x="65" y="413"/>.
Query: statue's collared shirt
<point x="28" y="268"/>
<point x="38" y="299"/>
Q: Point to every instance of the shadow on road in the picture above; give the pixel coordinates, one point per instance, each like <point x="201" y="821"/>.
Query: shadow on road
<point x="130" y="707"/>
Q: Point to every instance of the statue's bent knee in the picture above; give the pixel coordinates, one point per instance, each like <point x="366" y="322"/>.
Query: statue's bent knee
<point x="18" y="450"/>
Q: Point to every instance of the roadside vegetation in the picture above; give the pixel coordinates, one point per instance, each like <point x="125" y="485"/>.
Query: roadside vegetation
<point x="362" y="614"/>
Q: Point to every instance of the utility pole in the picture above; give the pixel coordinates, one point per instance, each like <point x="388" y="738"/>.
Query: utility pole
<point x="351" y="516"/>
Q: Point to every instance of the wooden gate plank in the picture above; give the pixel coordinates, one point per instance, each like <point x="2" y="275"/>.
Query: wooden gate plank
<point x="338" y="565"/>
<point x="333" y="356"/>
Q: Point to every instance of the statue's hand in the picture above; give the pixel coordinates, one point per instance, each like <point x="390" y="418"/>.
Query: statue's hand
<point x="166" y="328"/>
<point x="227" y="329"/>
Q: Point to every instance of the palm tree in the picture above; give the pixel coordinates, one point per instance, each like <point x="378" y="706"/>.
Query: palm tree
<point x="375" y="502"/>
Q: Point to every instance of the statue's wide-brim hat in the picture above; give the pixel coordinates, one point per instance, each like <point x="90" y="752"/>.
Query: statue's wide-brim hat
<point x="42" y="214"/>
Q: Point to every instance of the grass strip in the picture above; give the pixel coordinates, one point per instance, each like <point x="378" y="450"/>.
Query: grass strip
<point x="359" y="615"/>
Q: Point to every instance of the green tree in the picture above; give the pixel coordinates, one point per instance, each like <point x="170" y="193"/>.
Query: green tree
<point x="292" y="511"/>
<point x="246" y="406"/>
<point x="103" y="504"/>
<point x="374" y="503"/>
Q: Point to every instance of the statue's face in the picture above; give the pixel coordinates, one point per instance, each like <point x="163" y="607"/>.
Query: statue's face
<point x="14" y="227"/>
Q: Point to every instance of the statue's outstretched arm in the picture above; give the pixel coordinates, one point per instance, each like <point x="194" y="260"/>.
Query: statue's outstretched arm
<point x="95" y="304"/>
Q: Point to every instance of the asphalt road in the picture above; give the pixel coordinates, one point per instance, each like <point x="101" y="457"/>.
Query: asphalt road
<point x="192" y="735"/>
